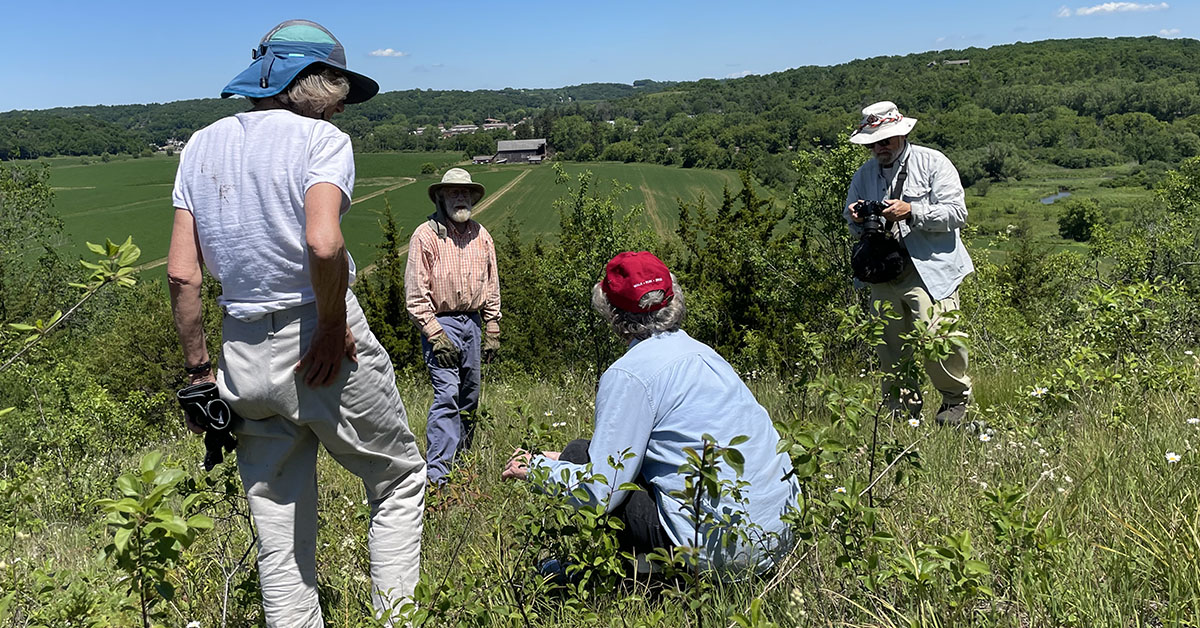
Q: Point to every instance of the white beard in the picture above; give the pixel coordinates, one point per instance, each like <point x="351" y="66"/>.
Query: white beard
<point x="460" y="215"/>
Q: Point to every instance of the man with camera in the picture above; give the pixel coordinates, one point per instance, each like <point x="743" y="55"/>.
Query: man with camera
<point x="906" y="207"/>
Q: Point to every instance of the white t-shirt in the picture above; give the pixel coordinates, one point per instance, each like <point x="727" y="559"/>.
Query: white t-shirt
<point x="244" y="178"/>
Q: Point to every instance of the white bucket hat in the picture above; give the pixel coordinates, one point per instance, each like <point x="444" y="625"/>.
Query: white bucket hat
<point x="881" y="121"/>
<point x="457" y="177"/>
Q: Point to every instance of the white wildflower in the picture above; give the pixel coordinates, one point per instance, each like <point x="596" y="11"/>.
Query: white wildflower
<point x="914" y="422"/>
<point x="1067" y="479"/>
<point x="1038" y="392"/>
<point x="193" y="624"/>
<point x="840" y="489"/>
<point x="559" y="424"/>
<point x="985" y="437"/>
<point x="548" y="413"/>
<point x="828" y="476"/>
<point x="1189" y="352"/>
<point x="1173" y="457"/>
<point x="1194" y="421"/>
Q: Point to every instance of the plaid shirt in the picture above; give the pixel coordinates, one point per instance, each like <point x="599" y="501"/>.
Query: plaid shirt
<point x="451" y="273"/>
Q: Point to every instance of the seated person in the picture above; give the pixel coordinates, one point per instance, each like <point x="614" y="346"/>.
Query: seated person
<point x="662" y="396"/>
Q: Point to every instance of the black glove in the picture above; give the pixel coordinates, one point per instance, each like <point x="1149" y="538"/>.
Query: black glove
<point x="206" y="410"/>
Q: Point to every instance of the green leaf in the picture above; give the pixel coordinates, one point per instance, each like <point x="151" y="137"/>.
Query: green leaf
<point x="738" y="440"/>
<point x="976" y="567"/>
<point x="22" y="326"/>
<point x="6" y="410"/>
<point x="150" y="461"/>
<point x="166" y="590"/>
<point x="200" y="522"/>
<point x="629" y="486"/>
<point x="97" y="249"/>
<point x="127" y="484"/>
<point x="735" y="459"/>
<point x="121" y="538"/>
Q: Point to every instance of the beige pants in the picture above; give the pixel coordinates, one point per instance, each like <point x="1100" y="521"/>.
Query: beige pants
<point x="360" y="420"/>
<point x="911" y="302"/>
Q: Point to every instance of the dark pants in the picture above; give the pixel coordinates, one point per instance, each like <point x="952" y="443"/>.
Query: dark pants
<point x="643" y="531"/>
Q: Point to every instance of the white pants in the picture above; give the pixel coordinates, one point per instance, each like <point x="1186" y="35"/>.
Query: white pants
<point x="360" y="420"/>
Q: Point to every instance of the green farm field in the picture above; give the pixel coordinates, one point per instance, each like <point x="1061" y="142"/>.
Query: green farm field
<point x="133" y="197"/>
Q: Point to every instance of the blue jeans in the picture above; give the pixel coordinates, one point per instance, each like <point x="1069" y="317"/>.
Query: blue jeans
<point x="450" y="426"/>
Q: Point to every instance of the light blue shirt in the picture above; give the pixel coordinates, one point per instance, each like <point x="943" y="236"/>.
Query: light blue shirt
<point x="663" y="395"/>
<point x="939" y="211"/>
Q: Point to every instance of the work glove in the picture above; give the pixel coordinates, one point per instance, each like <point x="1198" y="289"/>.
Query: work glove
<point x="445" y="351"/>
<point x="491" y="346"/>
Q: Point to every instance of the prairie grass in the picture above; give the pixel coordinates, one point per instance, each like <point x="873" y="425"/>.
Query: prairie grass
<point x="1107" y="532"/>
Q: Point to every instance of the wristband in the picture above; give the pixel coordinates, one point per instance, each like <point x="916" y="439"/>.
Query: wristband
<point x="199" y="369"/>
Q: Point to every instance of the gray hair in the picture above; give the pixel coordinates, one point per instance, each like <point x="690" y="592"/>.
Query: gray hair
<point x="311" y="93"/>
<point x="641" y="325"/>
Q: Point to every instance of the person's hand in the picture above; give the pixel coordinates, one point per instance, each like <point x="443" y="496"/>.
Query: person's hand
<point x="517" y="467"/>
<point x="323" y="360"/>
<point x="897" y="210"/>
<point x="445" y="351"/>
<point x="853" y="209"/>
<point x="491" y="346"/>
<point x="553" y="455"/>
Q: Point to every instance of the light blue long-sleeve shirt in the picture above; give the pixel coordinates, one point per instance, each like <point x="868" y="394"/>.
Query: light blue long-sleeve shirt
<point x="663" y="395"/>
<point x="939" y="211"/>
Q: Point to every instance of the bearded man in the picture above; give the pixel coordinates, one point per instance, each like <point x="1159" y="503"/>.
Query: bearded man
<point x="452" y="292"/>
<point x="925" y="212"/>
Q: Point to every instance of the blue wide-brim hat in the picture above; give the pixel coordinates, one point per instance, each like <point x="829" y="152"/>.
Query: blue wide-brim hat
<point x="285" y="52"/>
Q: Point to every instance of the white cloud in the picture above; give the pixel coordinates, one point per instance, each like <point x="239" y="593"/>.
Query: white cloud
<point x="1169" y="32"/>
<point x="739" y="74"/>
<point x="1112" y="7"/>
<point x="939" y="40"/>
<point x="388" y="52"/>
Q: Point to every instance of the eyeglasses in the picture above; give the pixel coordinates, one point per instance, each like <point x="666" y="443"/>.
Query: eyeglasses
<point x="880" y="143"/>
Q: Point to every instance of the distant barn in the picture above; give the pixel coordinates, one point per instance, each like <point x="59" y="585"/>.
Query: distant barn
<point x="481" y="159"/>
<point x="520" y="151"/>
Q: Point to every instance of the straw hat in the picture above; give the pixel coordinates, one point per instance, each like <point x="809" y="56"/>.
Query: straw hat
<point x="457" y="177"/>
<point x="881" y="121"/>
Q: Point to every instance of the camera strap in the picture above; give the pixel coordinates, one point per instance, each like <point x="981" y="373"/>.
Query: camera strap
<point x="898" y="188"/>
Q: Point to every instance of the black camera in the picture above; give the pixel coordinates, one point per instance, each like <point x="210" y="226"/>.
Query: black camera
<point x="872" y="214"/>
<point x="204" y="407"/>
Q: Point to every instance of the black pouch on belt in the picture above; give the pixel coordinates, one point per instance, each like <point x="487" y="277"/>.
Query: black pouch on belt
<point x="204" y="407"/>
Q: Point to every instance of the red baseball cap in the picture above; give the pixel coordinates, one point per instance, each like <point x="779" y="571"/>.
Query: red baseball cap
<point x="630" y="275"/>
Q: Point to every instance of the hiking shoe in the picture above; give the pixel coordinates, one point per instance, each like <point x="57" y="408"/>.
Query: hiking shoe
<point x="555" y="572"/>
<point x="956" y="416"/>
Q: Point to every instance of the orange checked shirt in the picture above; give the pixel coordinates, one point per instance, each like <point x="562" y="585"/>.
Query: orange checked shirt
<point x="451" y="273"/>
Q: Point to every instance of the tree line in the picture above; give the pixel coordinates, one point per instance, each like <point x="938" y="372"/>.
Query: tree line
<point x="1075" y="103"/>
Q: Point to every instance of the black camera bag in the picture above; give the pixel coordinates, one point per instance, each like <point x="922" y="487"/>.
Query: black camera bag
<point x="880" y="257"/>
<point x="204" y="407"/>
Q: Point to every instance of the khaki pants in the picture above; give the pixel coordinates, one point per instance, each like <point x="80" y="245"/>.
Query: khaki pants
<point x="911" y="302"/>
<point x="360" y="420"/>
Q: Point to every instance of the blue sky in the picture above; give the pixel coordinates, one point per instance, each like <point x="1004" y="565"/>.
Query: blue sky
<point x="63" y="53"/>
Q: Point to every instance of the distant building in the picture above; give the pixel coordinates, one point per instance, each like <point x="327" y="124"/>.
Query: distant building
<point x="460" y="129"/>
<point x="933" y="64"/>
<point x="481" y="159"/>
<point x="521" y="151"/>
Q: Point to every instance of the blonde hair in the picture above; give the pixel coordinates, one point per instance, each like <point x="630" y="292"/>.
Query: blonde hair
<point x="312" y="92"/>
